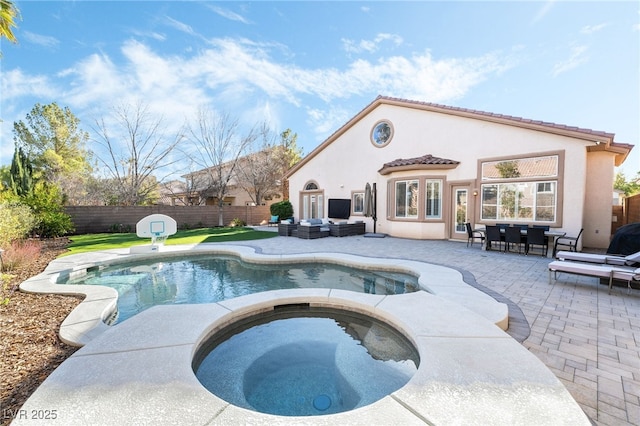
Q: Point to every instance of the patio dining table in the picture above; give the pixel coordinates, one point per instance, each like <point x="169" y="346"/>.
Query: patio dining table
<point x="552" y="235"/>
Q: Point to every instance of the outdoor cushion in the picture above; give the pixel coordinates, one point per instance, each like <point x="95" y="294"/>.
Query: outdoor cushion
<point x="632" y="258"/>
<point x="596" y="270"/>
<point x="598" y="258"/>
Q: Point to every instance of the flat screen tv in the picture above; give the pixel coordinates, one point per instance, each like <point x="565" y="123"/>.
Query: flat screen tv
<point x="339" y="208"/>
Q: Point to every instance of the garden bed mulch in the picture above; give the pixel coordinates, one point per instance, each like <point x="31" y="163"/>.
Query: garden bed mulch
<point x="29" y="325"/>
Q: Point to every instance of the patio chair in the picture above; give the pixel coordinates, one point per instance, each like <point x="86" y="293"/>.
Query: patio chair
<point x="536" y="237"/>
<point x="273" y="221"/>
<point x="570" y="243"/>
<point x="473" y="234"/>
<point x="610" y="272"/>
<point x="493" y="235"/>
<point x="523" y="235"/>
<point x="513" y="235"/>
<point x="546" y="228"/>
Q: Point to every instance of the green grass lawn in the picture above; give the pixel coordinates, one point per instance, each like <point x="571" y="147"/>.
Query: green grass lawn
<point x="94" y="242"/>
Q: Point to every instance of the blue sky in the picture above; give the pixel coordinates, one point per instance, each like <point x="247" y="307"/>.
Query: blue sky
<point x="311" y="66"/>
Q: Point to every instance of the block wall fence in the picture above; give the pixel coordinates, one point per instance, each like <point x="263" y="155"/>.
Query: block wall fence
<point x="98" y="219"/>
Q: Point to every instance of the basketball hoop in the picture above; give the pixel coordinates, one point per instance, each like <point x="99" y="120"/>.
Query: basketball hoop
<point x="158" y="227"/>
<point x="158" y="238"/>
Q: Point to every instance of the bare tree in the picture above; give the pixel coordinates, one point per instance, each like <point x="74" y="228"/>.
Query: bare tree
<point x="262" y="172"/>
<point x="139" y="150"/>
<point x="217" y="145"/>
<point x="259" y="173"/>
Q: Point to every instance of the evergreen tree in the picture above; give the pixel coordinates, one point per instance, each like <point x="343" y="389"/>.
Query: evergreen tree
<point x="21" y="174"/>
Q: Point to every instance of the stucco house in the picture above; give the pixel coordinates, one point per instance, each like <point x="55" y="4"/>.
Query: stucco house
<point x="255" y="178"/>
<point x="437" y="167"/>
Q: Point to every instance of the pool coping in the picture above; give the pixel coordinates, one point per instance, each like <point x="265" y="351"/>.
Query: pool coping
<point x="140" y="371"/>
<point x="87" y="320"/>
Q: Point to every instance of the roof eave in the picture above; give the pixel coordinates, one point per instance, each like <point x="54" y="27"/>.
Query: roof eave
<point x="621" y="150"/>
<point x="409" y="167"/>
<point x="574" y="132"/>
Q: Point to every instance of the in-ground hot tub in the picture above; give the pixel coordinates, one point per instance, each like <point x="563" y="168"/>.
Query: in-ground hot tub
<point x="302" y="361"/>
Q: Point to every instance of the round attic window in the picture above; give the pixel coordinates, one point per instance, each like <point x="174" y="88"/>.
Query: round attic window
<point x="381" y="133"/>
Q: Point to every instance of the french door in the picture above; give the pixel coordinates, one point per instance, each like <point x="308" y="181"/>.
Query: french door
<point x="460" y="211"/>
<point x="312" y="205"/>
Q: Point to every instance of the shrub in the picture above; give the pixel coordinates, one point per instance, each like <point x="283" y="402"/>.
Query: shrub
<point x="237" y="222"/>
<point x="20" y="253"/>
<point x="46" y="204"/>
<point x="119" y="228"/>
<point x="282" y="209"/>
<point x="53" y="224"/>
<point x="16" y="221"/>
<point x="5" y="279"/>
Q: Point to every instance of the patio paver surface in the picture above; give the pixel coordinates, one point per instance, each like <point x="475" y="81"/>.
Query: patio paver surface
<point x="588" y="338"/>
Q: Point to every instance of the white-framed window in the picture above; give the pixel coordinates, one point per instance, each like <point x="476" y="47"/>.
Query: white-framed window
<point x="433" y="198"/>
<point x="407" y="199"/>
<point x="357" y="203"/>
<point x="520" y="189"/>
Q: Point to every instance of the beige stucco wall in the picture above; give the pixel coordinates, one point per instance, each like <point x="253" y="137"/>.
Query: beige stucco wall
<point x="597" y="207"/>
<point x="351" y="161"/>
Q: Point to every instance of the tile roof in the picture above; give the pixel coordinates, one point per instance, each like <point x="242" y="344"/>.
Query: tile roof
<point x="526" y="167"/>
<point x="425" y="160"/>
<point x="514" y="119"/>
<point x="603" y="140"/>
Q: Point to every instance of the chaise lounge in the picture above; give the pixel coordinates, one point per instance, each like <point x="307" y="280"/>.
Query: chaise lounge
<point x="609" y="259"/>
<point x="610" y="272"/>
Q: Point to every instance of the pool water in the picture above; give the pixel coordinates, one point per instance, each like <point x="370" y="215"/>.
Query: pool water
<point x="306" y="363"/>
<point x="207" y="279"/>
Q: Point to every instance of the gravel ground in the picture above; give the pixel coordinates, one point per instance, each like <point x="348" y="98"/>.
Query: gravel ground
<point x="29" y="324"/>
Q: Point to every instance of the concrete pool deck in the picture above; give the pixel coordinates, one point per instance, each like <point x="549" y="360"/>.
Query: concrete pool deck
<point x="584" y="336"/>
<point x="87" y="321"/>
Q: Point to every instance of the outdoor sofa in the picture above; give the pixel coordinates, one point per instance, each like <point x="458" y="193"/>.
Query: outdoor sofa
<point x="345" y="229"/>
<point x="309" y="229"/>
<point x="287" y="227"/>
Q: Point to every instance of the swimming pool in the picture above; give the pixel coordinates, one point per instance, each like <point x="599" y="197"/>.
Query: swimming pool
<point x="141" y="371"/>
<point x="303" y="361"/>
<point x="206" y="279"/>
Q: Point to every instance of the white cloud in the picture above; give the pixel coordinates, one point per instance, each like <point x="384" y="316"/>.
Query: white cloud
<point x="325" y="121"/>
<point x="41" y="40"/>
<point x="370" y="46"/>
<point x="180" y="26"/>
<point x="590" y="29"/>
<point x="16" y="84"/>
<point x="577" y="58"/>
<point x="149" y="34"/>
<point x="242" y="77"/>
<point x="542" y="12"/>
<point x="228" y="14"/>
<point x="94" y="80"/>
